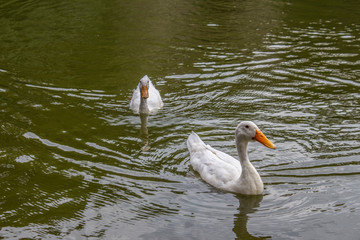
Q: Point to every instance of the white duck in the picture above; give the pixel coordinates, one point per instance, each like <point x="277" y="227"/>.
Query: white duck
<point x="146" y="98"/>
<point x="225" y="172"/>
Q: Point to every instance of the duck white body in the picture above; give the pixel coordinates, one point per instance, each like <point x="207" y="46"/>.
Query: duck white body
<point x="223" y="171"/>
<point x="146" y="98"/>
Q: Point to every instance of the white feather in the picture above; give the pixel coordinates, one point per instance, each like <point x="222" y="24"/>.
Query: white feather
<point x="223" y="171"/>
<point x="154" y="101"/>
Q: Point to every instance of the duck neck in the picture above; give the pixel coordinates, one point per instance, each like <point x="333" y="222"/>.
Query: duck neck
<point x="242" y="152"/>
<point x="143" y="106"/>
<point x="249" y="181"/>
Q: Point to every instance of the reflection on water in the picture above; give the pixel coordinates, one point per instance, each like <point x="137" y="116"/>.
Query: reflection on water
<point x="144" y="133"/>
<point x="74" y="165"/>
<point x="248" y="205"/>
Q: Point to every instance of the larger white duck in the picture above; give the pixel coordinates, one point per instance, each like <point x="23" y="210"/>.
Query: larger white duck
<point x="225" y="172"/>
<point x="146" y="98"/>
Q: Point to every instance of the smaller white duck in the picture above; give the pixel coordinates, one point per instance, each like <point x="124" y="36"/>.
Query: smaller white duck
<point x="146" y="98"/>
<point x="225" y="172"/>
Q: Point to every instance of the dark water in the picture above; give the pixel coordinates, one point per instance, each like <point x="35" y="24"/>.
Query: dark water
<point x="72" y="159"/>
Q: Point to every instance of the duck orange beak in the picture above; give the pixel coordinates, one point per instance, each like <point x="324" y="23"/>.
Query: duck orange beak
<point x="144" y="91"/>
<point x="260" y="137"/>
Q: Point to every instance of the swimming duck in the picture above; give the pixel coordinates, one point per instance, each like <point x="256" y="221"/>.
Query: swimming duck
<point x="146" y="98"/>
<point x="225" y="172"/>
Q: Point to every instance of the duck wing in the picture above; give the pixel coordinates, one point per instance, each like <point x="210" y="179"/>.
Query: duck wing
<point x="154" y="101"/>
<point x="135" y="100"/>
<point x="215" y="167"/>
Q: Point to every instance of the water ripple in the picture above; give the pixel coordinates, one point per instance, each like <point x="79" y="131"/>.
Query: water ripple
<point x="82" y="150"/>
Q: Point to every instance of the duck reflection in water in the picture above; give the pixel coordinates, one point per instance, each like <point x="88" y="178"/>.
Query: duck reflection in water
<point x="248" y="205"/>
<point x="146" y="99"/>
<point x="144" y="133"/>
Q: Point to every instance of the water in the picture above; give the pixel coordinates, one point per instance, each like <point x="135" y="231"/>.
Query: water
<point x="76" y="163"/>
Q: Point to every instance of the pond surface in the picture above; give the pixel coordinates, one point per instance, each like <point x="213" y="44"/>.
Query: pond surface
<point x="75" y="162"/>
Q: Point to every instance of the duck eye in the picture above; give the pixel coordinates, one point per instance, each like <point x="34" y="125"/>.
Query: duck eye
<point x="247" y="126"/>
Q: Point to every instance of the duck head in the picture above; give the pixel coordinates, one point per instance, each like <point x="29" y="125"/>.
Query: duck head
<point x="247" y="131"/>
<point x="144" y="87"/>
